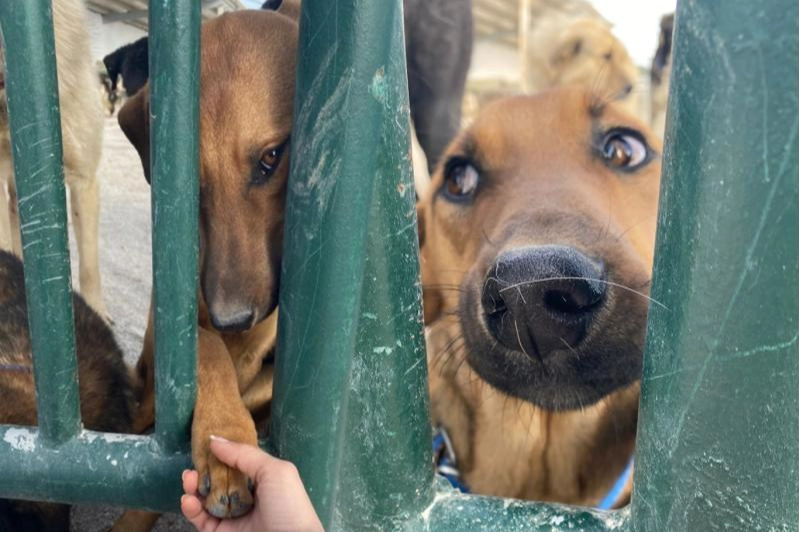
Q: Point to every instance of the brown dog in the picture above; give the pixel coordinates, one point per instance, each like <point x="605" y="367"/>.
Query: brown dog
<point x="537" y="245"/>
<point x="247" y="92"/>
<point x="106" y="391"/>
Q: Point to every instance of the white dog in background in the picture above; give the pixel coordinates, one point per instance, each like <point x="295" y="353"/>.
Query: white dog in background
<point x="82" y="136"/>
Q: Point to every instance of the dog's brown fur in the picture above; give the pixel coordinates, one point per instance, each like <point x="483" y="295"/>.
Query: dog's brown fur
<point x="247" y="91"/>
<point x="106" y="392"/>
<point x="559" y="426"/>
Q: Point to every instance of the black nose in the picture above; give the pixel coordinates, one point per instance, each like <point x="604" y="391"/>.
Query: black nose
<point x="238" y="320"/>
<point x="541" y="299"/>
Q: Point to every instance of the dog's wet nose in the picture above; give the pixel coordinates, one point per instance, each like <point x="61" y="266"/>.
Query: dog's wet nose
<point x="541" y="299"/>
<point x="238" y="320"/>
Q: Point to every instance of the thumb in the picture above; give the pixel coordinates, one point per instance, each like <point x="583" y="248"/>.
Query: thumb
<point x="248" y="459"/>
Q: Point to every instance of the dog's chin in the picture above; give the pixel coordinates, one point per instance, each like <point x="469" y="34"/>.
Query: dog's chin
<point x="565" y="380"/>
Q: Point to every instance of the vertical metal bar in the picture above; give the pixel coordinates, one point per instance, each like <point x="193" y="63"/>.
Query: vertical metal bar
<point x="174" y="128"/>
<point x="718" y="434"/>
<point x="32" y="91"/>
<point x="350" y="405"/>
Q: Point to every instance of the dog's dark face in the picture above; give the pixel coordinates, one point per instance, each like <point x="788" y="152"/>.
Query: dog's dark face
<point x="538" y="232"/>
<point x="247" y="92"/>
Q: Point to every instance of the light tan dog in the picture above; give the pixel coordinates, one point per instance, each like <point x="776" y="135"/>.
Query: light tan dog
<point x="82" y="137"/>
<point x="246" y="100"/>
<point x="537" y="245"/>
<point x="570" y="43"/>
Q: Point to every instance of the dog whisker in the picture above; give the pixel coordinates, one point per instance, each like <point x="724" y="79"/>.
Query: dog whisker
<point x="569" y="346"/>
<point x="578" y="278"/>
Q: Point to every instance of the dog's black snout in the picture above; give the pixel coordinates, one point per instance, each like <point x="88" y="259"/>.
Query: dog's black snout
<point x="232" y="321"/>
<point x="541" y="299"/>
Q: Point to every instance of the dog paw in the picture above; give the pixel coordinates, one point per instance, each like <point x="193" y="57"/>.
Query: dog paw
<point x="228" y="493"/>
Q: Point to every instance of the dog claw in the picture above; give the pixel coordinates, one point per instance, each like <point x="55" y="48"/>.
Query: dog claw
<point x="205" y="485"/>
<point x="250" y="484"/>
<point x="238" y="507"/>
<point x="229" y="506"/>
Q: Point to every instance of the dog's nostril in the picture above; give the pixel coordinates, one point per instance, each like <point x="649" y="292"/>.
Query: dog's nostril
<point x="581" y="300"/>
<point x="537" y="300"/>
<point x="494" y="306"/>
<point x="561" y="302"/>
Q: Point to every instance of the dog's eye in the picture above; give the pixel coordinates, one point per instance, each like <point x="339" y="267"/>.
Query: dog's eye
<point x="460" y="181"/>
<point x="624" y="150"/>
<point x="269" y="160"/>
<point x="268" y="164"/>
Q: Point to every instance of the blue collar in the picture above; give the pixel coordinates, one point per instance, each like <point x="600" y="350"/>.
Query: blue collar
<point x="447" y="466"/>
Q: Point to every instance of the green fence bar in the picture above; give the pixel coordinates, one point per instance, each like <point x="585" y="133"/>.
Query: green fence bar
<point x="351" y="405"/>
<point x="125" y="470"/>
<point x="718" y="435"/>
<point x="32" y="93"/>
<point x="174" y="125"/>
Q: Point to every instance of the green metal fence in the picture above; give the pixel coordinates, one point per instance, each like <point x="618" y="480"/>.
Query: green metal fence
<point x="718" y="442"/>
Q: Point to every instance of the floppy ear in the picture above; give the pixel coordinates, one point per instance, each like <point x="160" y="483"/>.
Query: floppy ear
<point x="567" y="49"/>
<point x="111" y="62"/>
<point x="134" y="119"/>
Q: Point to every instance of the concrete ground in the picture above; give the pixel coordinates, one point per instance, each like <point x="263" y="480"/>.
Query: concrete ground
<point x="125" y="245"/>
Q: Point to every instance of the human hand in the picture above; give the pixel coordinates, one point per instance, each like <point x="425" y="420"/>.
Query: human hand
<point x="281" y="503"/>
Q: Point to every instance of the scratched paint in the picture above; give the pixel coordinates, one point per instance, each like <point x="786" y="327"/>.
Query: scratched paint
<point x="35" y="129"/>
<point x="718" y="438"/>
<point x="350" y="403"/>
<point x="174" y="122"/>
<point x="126" y="470"/>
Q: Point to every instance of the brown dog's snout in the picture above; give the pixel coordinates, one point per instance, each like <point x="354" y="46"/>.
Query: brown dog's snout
<point x="541" y="299"/>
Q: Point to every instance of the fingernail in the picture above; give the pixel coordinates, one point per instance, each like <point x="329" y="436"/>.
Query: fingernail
<point x="220" y="439"/>
<point x="182" y="498"/>
<point x="183" y="475"/>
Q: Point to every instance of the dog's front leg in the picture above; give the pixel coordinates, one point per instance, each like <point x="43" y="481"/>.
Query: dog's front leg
<point x="84" y="195"/>
<point x="219" y="411"/>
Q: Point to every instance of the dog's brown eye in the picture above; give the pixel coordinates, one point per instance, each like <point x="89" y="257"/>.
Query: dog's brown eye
<point x="461" y="181"/>
<point x="268" y="164"/>
<point x="269" y="160"/>
<point x="623" y="150"/>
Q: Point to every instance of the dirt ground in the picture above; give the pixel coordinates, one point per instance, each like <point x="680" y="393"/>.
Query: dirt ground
<point x="125" y="245"/>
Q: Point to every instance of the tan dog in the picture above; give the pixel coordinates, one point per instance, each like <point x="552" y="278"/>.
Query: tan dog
<point x="570" y="43"/>
<point x="82" y="137"/>
<point x="537" y="245"/>
<point x="247" y="92"/>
